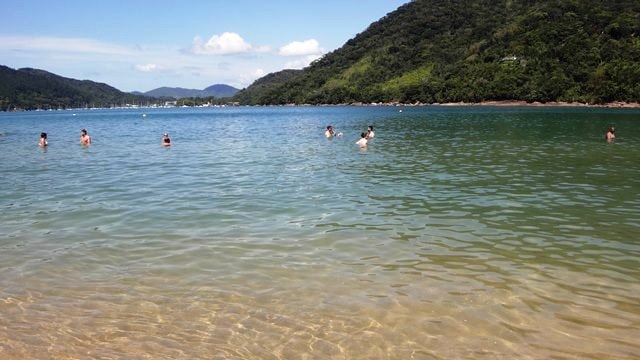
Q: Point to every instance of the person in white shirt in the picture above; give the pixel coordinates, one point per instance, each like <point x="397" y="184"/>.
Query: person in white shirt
<point x="363" y="140"/>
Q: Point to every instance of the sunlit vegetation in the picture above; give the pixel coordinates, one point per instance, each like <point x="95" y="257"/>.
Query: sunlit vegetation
<point x="434" y="51"/>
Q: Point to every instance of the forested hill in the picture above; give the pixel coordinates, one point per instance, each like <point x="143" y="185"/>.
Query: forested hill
<point x="217" y="90"/>
<point x="37" y="89"/>
<point x="435" y="51"/>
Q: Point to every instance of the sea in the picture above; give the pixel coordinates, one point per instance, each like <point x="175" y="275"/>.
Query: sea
<point x="457" y="233"/>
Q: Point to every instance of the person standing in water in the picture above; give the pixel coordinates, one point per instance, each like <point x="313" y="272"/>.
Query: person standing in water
<point x="43" y="139"/>
<point x="165" y="140"/>
<point x="330" y="132"/>
<point x="363" y="140"/>
<point x="611" y="134"/>
<point x="370" y="133"/>
<point x="85" y="139"/>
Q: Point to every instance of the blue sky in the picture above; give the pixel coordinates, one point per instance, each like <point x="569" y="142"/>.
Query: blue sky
<point x="142" y="44"/>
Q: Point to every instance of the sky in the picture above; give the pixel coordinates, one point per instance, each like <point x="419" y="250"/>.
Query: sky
<point x="140" y="45"/>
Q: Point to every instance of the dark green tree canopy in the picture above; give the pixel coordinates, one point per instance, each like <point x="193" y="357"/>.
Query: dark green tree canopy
<point x="37" y="89"/>
<point x="476" y="50"/>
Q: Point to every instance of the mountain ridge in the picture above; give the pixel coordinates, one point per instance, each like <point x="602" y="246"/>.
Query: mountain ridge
<point x="30" y="89"/>
<point x="216" y="90"/>
<point x="438" y="51"/>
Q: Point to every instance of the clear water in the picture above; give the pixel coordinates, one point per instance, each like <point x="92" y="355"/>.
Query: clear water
<point x="458" y="233"/>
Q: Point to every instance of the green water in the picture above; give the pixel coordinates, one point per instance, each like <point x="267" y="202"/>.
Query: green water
<point x="458" y="233"/>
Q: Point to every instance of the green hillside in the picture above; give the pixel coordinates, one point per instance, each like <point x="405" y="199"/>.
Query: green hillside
<point x="37" y="89"/>
<point x="432" y="51"/>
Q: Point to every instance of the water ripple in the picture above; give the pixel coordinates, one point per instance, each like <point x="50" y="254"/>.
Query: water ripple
<point x="458" y="233"/>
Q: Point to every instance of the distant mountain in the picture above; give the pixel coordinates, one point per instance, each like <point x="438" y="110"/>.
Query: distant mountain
<point x="221" y="90"/>
<point x="38" y="89"/>
<point x="436" y="51"/>
<point x="218" y="91"/>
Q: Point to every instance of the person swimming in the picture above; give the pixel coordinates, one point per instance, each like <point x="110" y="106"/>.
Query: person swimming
<point x="85" y="139"/>
<point x="166" y="141"/>
<point x="43" y="139"/>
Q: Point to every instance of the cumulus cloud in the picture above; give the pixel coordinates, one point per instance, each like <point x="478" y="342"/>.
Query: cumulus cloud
<point x="147" y="67"/>
<point x="301" y="63"/>
<point x="226" y="44"/>
<point x="247" y="77"/>
<point x="301" y="48"/>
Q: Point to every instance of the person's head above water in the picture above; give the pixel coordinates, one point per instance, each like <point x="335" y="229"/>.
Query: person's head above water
<point x="43" y="135"/>
<point x="83" y="132"/>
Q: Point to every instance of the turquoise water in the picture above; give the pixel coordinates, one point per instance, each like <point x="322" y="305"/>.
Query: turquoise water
<point x="458" y="233"/>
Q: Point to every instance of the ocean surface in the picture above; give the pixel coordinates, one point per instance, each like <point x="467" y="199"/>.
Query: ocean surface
<point x="460" y="232"/>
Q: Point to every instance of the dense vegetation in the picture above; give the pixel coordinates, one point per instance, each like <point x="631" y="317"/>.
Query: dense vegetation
<point x="31" y="89"/>
<point x="434" y="51"/>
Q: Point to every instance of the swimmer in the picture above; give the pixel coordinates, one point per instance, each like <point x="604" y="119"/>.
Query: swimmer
<point x="43" y="140"/>
<point x="165" y="140"/>
<point x="370" y="133"/>
<point x="363" y="140"/>
<point x="611" y="134"/>
<point x="85" y="139"/>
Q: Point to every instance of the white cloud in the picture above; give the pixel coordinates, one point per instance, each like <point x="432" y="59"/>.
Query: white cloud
<point x="301" y="48"/>
<point x="57" y="44"/>
<point x="226" y="44"/>
<point x="301" y="63"/>
<point x="245" y="79"/>
<point x="147" y="67"/>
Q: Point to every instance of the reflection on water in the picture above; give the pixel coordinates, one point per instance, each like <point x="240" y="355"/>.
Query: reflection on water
<point x="458" y="233"/>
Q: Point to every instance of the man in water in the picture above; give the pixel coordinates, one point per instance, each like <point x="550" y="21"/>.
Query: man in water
<point x="611" y="134"/>
<point x="370" y="133"/>
<point x="363" y="140"/>
<point x="165" y="140"/>
<point x="330" y="132"/>
<point x="85" y="139"/>
<point x="43" y="139"/>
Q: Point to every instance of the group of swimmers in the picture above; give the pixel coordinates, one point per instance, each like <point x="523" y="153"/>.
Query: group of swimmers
<point x="365" y="137"/>
<point x="85" y="139"/>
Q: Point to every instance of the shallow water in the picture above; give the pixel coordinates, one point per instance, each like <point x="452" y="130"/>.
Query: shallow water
<point x="458" y="233"/>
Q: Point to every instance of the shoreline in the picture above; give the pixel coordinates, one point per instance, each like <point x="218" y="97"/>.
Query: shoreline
<point x="501" y="103"/>
<point x="498" y="103"/>
<point x="617" y="104"/>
